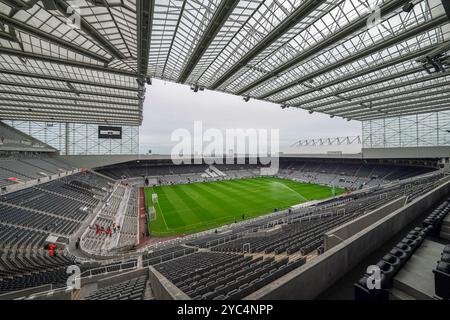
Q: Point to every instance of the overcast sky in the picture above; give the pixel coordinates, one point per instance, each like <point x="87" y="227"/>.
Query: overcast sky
<point x="169" y="106"/>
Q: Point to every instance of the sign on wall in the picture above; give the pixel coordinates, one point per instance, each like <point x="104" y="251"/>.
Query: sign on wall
<point x="105" y="132"/>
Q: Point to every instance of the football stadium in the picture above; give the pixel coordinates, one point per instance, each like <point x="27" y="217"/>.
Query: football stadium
<point x="89" y="212"/>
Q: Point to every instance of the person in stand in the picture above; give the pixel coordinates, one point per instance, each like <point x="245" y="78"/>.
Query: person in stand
<point x="243" y="216"/>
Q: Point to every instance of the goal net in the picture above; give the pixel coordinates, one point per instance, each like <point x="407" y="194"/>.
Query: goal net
<point x="151" y="213"/>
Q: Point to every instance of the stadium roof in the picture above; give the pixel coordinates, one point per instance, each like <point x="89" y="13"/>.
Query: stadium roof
<point x="321" y="55"/>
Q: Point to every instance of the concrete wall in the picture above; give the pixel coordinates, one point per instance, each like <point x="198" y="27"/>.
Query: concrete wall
<point x="31" y="183"/>
<point x="163" y="289"/>
<point x="90" y="162"/>
<point x="96" y="161"/>
<point x="336" y="235"/>
<point x="406" y="153"/>
<point x="311" y="279"/>
<point x="24" y="292"/>
<point x="122" y="277"/>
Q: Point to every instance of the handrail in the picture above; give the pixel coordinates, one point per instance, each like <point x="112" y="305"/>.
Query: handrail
<point x="53" y="291"/>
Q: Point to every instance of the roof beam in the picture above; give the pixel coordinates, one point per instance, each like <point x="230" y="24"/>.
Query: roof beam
<point x="341" y="34"/>
<point x="69" y="118"/>
<point x="380" y="90"/>
<point x="361" y="73"/>
<point x="75" y="104"/>
<point x="401" y="99"/>
<point x="293" y="19"/>
<point x="105" y="115"/>
<point x="35" y="86"/>
<point x="409" y="106"/>
<point x="57" y="78"/>
<point x="362" y="85"/>
<point x="53" y="39"/>
<point x="220" y="16"/>
<point x="428" y="96"/>
<point x="78" y="64"/>
<point x="442" y="107"/>
<point x="51" y="110"/>
<point x="361" y="54"/>
<point x="90" y="31"/>
<point x="173" y="37"/>
<point x="144" y="12"/>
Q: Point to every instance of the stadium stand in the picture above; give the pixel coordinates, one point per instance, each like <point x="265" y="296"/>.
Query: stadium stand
<point x="222" y="276"/>
<point x="133" y="289"/>
<point x="417" y="251"/>
<point x="14" y="140"/>
<point x="349" y="175"/>
<point x="249" y="256"/>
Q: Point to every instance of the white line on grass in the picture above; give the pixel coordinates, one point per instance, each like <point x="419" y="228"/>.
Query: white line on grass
<point x="289" y="188"/>
<point x="162" y="214"/>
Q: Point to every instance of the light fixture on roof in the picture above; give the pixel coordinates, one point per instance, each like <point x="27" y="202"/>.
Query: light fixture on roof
<point x="284" y="106"/>
<point x="148" y="80"/>
<point x="408" y="7"/>
<point x="438" y="60"/>
<point x="311" y="111"/>
<point x="331" y="116"/>
<point x="247" y="98"/>
<point x="140" y="81"/>
<point x="72" y="88"/>
<point x="349" y="119"/>
<point x="194" y="88"/>
<point x="23" y="60"/>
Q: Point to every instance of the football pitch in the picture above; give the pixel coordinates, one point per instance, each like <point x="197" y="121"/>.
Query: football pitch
<point x="189" y="208"/>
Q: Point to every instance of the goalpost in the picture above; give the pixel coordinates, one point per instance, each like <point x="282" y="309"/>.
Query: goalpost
<point x="151" y="209"/>
<point x="151" y="213"/>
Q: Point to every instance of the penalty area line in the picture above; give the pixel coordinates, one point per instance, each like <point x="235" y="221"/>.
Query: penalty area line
<point x="162" y="213"/>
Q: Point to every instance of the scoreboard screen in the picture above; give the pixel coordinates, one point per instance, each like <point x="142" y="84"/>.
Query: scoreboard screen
<point x="105" y="132"/>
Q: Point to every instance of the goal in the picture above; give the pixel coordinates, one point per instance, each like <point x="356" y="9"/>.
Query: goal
<point x="151" y="213"/>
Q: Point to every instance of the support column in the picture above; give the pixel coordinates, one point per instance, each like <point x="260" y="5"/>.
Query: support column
<point x="66" y="136"/>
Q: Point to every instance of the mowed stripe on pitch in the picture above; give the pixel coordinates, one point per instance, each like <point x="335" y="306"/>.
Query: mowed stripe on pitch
<point x="189" y="208"/>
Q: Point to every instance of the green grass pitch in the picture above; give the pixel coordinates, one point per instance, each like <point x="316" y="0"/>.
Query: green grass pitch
<point x="190" y="208"/>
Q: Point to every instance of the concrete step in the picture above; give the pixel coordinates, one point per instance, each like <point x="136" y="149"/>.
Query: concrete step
<point x="411" y="291"/>
<point x="149" y="295"/>
<point x="416" y="278"/>
<point x="397" y="294"/>
<point x="87" y="290"/>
